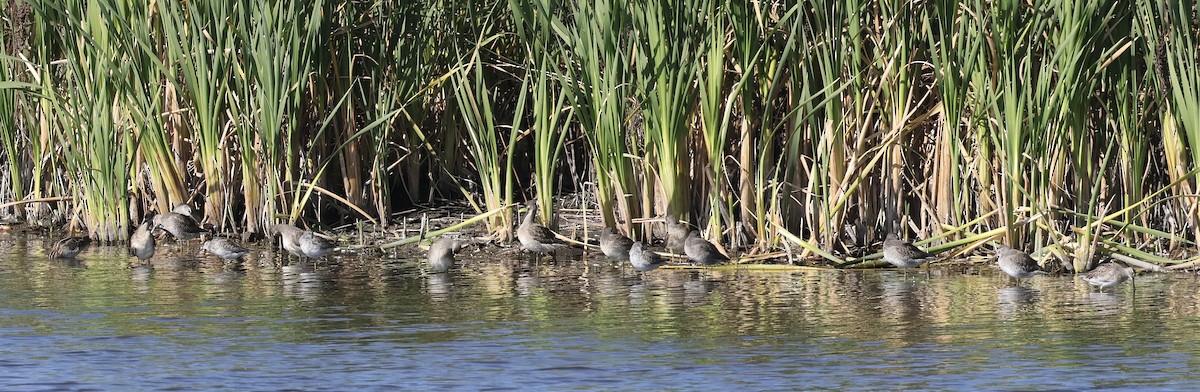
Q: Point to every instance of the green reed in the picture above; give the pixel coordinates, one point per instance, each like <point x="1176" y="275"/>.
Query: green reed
<point x="10" y="86"/>
<point x="146" y="102"/>
<point x="956" y="42"/>
<point x="394" y="57"/>
<point x="1171" y="28"/>
<point x="668" y="57"/>
<point x="98" y="147"/>
<point x="715" y="115"/>
<point x="9" y="69"/>
<point x="827" y="82"/>
<point x="599" y="90"/>
<point x="830" y="121"/>
<point x="490" y="150"/>
<point x="547" y="98"/>
<point x="200" y="55"/>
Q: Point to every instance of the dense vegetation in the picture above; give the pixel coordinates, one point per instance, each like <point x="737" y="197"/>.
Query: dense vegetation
<point x="1072" y="126"/>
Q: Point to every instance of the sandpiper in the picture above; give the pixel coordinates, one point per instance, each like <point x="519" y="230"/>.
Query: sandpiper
<point x="614" y="245"/>
<point x="1017" y="264"/>
<point x="186" y="210"/>
<point x="1106" y="275"/>
<point x="537" y="238"/>
<point x="181" y="226"/>
<point x="315" y="246"/>
<point x="902" y="254"/>
<point x="643" y="259"/>
<point x="441" y="253"/>
<point x="225" y="248"/>
<point x="677" y="234"/>
<point x="141" y="243"/>
<point x="289" y="237"/>
<point x="701" y="251"/>
<point x="68" y="248"/>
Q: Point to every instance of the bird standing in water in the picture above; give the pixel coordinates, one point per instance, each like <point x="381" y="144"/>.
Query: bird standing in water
<point x="315" y="246"/>
<point x="141" y="243"/>
<point x="902" y="254"/>
<point x="289" y="237"/>
<point x="701" y="251"/>
<point x="68" y="248"/>
<point x="441" y="253"/>
<point x="225" y="248"/>
<point x="181" y="226"/>
<point x="1017" y="264"/>
<point x="643" y="259"/>
<point x="536" y="238"/>
<point x="1106" y="275"/>
<point x="677" y="235"/>
<point x="186" y="210"/>
<point x="614" y="245"/>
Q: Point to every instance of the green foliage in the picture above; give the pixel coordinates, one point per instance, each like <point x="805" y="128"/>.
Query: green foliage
<point x="826" y="123"/>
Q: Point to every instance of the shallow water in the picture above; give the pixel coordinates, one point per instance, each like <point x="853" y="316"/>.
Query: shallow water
<point x="383" y="323"/>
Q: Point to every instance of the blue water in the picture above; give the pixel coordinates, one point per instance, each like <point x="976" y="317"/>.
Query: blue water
<point x="372" y="322"/>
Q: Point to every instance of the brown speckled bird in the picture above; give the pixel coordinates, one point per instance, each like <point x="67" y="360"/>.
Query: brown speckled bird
<point x="701" y="251"/>
<point x="289" y="237"/>
<point x="677" y="234"/>
<point x="441" y="253"/>
<point x="1016" y="263"/>
<point x="1106" y="275"/>
<point x="181" y="226"/>
<point x="141" y="243"/>
<point x="225" y="248"/>
<point x="643" y="259"/>
<point x="614" y="245"/>
<point x="315" y="246"/>
<point x="902" y="254"/>
<point x="68" y="248"/>
<point x="536" y="238"/>
<point x="186" y="210"/>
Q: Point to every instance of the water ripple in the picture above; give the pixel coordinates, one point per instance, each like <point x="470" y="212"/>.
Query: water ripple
<point x="184" y="323"/>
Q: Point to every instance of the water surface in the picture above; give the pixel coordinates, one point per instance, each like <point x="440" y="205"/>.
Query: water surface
<point x="371" y="322"/>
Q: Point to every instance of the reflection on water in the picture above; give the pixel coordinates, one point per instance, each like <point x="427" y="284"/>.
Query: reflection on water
<point x="362" y="322"/>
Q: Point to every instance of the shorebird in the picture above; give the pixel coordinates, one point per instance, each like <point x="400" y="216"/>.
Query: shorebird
<point x="68" y="248"/>
<point x="1017" y="264"/>
<point x="289" y="237"/>
<point x="614" y="245"/>
<point x="225" y="248"/>
<point x="315" y="246"/>
<point x="1106" y="275"/>
<point x="644" y="260"/>
<point x="181" y="226"/>
<point x="186" y="210"/>
<point x="903" y="254"/>
<point x="141" y="243"/>
<point x="701" y="251"/>
<point x="441" y="253"/>
<point x="536" y="238"/>
<point x="677" y="234"/>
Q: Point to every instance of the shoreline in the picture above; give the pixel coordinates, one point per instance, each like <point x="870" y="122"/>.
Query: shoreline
<point x="408" y="231"/>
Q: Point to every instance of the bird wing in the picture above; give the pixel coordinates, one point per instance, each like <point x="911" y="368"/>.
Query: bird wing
<point x="323" y="242"/>
<point x="187" y="224"/>
<point x="917" y="253"/>
<point x="237" y="248"/>
<point x="1029" y="263"/>
<point x="543" y="235"/>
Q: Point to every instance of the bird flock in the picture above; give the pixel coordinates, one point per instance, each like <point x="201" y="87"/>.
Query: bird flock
<point x="1014" y="262"/>
<point x="180" y="223"/>
<point x="538" y="240"/>
<point x="682" y="239"/>
<point x="686" y="240"/>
